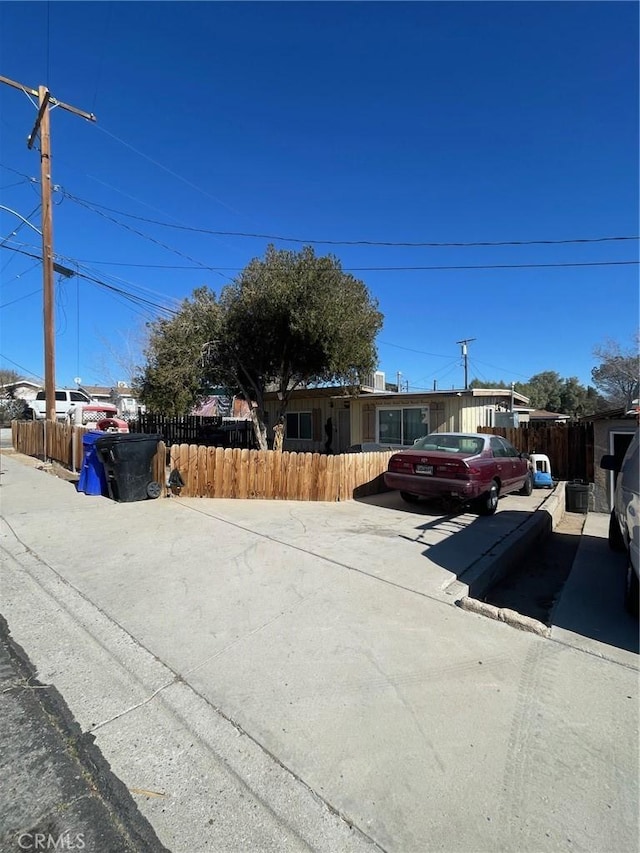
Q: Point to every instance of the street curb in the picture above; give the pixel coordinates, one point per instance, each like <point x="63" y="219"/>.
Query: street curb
<point x="503" y="614"/>
<point x="510" y="551"/>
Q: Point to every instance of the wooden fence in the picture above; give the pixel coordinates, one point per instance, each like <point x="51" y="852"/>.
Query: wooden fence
<point x="192" y="429"/>
<point x="568" y="446"/>
<point x="180" y="430"/>
<point x="29" y="437"/>
<point x="217" y="472"/>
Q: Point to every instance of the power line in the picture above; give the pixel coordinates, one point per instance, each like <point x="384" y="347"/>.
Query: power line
<point x="16" y="184"/>
<point x="15" y="364"/>
<point x="418" y="351"/>
<point x="506" y="370"/>
<point x="432" y="268"/>
<point x="20" y="274"/>
<point x="145" y="291"/>
<point x="131" y="297"/>
<point x="166" y="169"/>
<point x="20" y="298"/>
<point x="403" y="244"/>
<point x="143" y="235"/>
<point x="16" y="172"/>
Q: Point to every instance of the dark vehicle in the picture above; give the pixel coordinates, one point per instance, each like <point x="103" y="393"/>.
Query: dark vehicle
<point x="460" y="468"/>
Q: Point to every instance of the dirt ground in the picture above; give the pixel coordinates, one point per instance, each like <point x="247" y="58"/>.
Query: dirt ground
<point x="535" y="585"/>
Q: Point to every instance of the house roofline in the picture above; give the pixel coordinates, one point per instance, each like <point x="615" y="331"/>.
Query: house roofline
<point x="22" y="382"/>
<point x="342" y="392"/>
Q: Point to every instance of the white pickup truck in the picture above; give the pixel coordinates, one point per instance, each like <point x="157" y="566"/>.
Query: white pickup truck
<point x="66" y="402"/>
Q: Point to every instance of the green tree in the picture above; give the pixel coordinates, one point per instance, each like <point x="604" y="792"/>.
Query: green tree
<point x="174" y="379"/>
<point x="289" y="320"/>
<point x="576" y="400"/>
<point x="478" y="383"/>
<point x="544" y="390"/>
<point x="548" y="390"/>
<point x="617" y="375"/>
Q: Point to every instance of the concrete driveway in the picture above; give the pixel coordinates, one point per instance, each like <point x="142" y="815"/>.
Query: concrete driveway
<point x="294" y="676"/>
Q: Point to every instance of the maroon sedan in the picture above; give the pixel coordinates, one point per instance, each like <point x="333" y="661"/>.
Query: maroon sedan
<point x="460" y="468"/>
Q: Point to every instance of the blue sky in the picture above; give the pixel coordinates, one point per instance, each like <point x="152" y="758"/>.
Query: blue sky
<point x="380" y="122"/>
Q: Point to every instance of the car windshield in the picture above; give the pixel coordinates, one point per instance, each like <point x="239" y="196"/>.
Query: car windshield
<point x="443" y="442"/>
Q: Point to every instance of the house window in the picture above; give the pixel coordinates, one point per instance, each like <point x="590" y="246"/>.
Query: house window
<point x="489" y="416"/>
<point x="299" y="425"/>
<point x="402" y="425"/>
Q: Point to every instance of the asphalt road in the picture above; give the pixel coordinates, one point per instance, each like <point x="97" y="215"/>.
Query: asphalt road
<point x="57" y="791"/>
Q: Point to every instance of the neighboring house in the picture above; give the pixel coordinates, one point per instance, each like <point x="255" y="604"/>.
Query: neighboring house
<point x="122" y="397"/>
<point x="541" y="416"/>
<point x="220" y="405"/>
<point x="126" y="400"/>
<point x="316" y="414"/>
<point x="612" y="433"/>
<point x="21" y="389"/>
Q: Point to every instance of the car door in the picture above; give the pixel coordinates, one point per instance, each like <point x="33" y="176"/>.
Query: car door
<point x="62" y="404"/>
<point x="518" y="465"/>
<point x="501" y="463"/>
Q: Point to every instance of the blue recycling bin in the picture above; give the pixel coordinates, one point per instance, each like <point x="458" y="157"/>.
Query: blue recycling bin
<point x="93" y="477"/>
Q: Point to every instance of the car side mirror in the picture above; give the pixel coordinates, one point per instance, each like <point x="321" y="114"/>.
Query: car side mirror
<point x="610" y="463"/>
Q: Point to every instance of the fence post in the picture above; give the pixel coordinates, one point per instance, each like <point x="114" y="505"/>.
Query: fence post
<point x="77" y="421"/>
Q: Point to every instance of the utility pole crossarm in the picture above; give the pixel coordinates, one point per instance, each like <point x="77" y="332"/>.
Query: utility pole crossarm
<point x="42" y="127"/>
<point x="74" y="110"/>
<point x="26" y="89"/>
<point x="53" y="101"/>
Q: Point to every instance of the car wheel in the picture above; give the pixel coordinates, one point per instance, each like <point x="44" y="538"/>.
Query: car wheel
<point x="632" y="591"/>
<point x="409" y="498"/>
<point x="488" y="503"/>
<point x="616" y="541"/>
<point x="527" y="486"/>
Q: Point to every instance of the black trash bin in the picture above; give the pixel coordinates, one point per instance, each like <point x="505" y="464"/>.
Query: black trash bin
<point x="577" y="496"/>
<point x="127" y="461"/>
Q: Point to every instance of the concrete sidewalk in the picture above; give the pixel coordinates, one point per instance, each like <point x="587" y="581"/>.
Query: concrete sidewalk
<point x="589" y="614"/>
<point x="292" y="676"/>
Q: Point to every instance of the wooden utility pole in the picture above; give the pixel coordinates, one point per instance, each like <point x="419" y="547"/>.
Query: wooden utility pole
<point x="42" y="127"/>
<point x="465" y="356"/>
